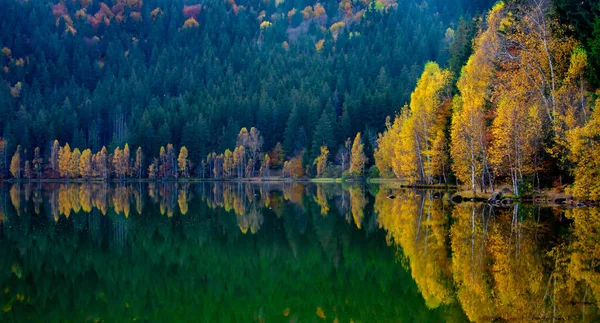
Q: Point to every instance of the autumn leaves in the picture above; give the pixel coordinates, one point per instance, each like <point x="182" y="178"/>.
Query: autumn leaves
<point x="520" y="96"/>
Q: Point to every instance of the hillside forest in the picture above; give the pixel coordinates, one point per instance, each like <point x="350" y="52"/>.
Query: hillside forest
<point x="474" y="93"/>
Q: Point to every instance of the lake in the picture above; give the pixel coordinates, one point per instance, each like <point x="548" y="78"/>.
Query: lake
<point x="289" y="252"/>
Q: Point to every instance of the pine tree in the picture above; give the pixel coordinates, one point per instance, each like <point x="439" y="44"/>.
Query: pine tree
<point x="37" y="162"/>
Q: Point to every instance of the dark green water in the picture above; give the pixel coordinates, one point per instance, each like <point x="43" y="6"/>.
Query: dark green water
<point x="287" y="253"/>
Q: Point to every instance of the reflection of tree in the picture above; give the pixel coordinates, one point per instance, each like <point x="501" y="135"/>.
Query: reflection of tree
<point x="15" y="197"/>
<point x="321" y="199"/>
<point x="293" y="192"/>
<point x="417" y="225"/>
<point x="470" y="262"/>
<point x="121" y="199"/>
<point x="585" y="255"/>
<point x="182" y="198"/>
<point x="517" y="269"/>
<point x="358" y="201"/>
<point x="91" y="267"/>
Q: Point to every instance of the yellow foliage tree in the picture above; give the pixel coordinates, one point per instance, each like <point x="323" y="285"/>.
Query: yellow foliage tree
<point x="64" y="160"/>
<point x="469" y="141"/>
<point x="357" y="157"/>
<point x="85" y="164"/>
<point x="321" y="161"/>
<point x="584" y="152"/>
<point x="190" y="23"/>
<point x="183" y="162"/>
<point x="15" y="164"/>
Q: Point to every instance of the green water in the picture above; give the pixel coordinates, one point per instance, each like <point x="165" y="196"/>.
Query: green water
<point x="287" y="253"/>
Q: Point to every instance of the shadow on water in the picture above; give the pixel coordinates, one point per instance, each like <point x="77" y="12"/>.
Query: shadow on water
<point x="288" y="252"/>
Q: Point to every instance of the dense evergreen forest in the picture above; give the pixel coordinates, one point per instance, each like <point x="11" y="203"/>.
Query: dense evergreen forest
<point x="467" y="92"/>
<point x="94" y="74"/>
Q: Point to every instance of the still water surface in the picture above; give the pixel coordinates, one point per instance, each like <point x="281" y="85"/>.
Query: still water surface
<point x="230" y="252"/>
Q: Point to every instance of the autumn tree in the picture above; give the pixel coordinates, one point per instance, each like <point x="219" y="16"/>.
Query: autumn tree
<point x="27" y="170"/>
<point x="183" y="162"/>
<point x="138" y="165"/>
<point x="228" y="163"/>
<point x="408" y="146"/>
<point x="74" y="163"/>
<point x="357" y="157"/>
<point x="252" y="142"/>
<point x="469" y="140"/>
<point x="584" y="152"/>
<point x="321" y="161"/>
<point x="117" y="163"/>
<point x="153" y="169"/>
<point x="126" y="160"/>
<point x="85" y="164"/>
<point x="3" y="155"/>
<point x="265" y="166"/>
<point x="15" y="164"/>
<point x="239" y="161"/>
<point x="64" y="160"/>
<point x="277" y="156"/>
<point x="100" y="164"/>
<point x="293" y="168"/>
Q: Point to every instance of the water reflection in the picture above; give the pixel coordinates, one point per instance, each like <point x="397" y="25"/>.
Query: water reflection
<point x="247" y="252"/>
<point x="199" y="252"/>
<point x="516" y="264"/>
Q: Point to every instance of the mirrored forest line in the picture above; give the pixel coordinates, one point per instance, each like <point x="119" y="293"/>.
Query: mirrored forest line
<point x="442" y="260"/>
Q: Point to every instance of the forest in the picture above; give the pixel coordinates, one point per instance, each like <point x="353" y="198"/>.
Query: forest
<point x="475" y="93"/>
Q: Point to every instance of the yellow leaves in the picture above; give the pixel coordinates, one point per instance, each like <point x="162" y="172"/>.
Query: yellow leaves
<point x="307" y="12"/>
<point x="406" y="147"/>
<point x="291" y="14"/>
<point x="357" y="157"/>
<point x="15" y="91"/>
<point x="405" y="222"/>
<point x="81" y="14"/>
<point x="6" y="51"/>
<point x="136" y="16"/>
<point x="71" y="30"/>
<point x="585" y="148"/>
<point x="318" y="10"/>
<point x="156" y="13"/>
<point x="190" y="23"/>
<point x="286" y="312"/>
<point x="321" y="161"/>
<point x="261" y="15"/>
<point x="336" y="26"/>
<point x="320" y="313"/>
<point x="16" y="269"/>
<point x="265" y="24"/>
<point x="319" y="45"/>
